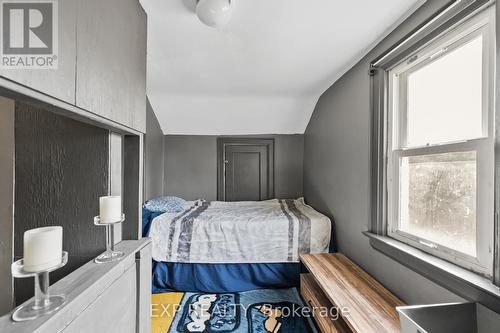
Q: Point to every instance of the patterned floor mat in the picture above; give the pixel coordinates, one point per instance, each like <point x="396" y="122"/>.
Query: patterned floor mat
<point x="262" y="311"/>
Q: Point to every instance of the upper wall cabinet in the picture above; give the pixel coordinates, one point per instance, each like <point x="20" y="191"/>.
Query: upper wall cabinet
<point x="111" y="60"/>
<point x="60" y="82"/>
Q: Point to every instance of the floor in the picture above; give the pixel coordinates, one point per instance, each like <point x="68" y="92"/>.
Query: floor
<point x="262" y="310"/>
<point x="163" y="309"/>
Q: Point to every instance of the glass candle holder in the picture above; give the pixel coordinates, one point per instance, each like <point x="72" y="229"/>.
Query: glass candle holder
<point x="110" y="254"/>
<point x="43" y="303"/>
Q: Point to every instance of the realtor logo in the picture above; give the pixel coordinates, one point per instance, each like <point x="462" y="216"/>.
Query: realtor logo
<point x="29" y="34"/>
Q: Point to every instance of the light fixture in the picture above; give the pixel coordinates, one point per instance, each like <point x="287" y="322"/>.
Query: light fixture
<point x="214" y="13"/>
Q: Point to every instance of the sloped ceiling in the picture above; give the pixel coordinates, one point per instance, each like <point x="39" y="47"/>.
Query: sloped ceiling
<point x="262" y="73"/>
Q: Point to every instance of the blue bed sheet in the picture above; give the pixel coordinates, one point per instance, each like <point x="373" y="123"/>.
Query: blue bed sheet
<point x="147" y="219"/>
<point x="221" y="278"/>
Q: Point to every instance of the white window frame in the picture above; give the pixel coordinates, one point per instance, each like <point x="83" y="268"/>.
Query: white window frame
<point x="481" y="24"/>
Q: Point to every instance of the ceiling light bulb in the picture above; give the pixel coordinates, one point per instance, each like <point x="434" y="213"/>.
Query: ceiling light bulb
<point x="214" y="13"/>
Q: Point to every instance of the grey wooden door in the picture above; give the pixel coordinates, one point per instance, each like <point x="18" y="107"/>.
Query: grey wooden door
<point x="247" y="170"/>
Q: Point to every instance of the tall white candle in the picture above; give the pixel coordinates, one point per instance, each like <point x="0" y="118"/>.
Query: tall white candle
<point x="42" y="248"/>
<point x="110" y="209"/>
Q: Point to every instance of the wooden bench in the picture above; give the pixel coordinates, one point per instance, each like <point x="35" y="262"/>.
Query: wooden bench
<point x="360" y="304"/>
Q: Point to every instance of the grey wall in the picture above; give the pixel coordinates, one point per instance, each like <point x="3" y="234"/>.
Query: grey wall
<point x="191" y="165"/>
<point x="337" y="171"/>
<point x="61" y="170"/>
<point x="154" y="165"/>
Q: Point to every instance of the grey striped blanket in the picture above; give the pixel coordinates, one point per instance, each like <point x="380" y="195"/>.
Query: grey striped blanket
<point x="271" y="231"/>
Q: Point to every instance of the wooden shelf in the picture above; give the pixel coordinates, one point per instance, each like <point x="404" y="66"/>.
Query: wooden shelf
<point x="315" y="299"/>
<point x="371" y="307"/>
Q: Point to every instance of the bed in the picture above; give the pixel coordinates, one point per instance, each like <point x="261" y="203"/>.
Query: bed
<point x="233" y="246"/>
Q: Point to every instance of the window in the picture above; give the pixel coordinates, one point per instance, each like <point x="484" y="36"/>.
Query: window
<point x="440" y="147"/>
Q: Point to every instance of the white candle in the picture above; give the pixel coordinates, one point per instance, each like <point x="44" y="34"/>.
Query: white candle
<point x="110" y="209"/>
<point x="42" y="248"/>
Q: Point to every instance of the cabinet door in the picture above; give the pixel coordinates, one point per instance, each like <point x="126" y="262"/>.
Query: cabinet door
<point x="111" y="60"/>
<point x="114" y="311"/>
<point x="60" y="82"/>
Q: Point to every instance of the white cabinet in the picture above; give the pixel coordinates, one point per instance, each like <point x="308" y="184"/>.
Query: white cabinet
<point x="60" y="82"/>
<point x="111" y="60"/>
<point x="102" y="61"/>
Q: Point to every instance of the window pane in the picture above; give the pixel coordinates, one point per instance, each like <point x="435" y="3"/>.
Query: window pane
<point x="438" y="199"/>
<point x="444" y="97"/>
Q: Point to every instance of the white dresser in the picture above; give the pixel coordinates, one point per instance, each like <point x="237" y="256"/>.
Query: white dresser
<point x="112" y="297"/>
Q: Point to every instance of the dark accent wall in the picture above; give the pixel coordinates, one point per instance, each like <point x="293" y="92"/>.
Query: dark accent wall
<point x="7" y="119"/>
<point x="337" y="171"/>
<point x="61" y="169"/>
<point x="153" y="180"/>
<point x="191" y="165"/>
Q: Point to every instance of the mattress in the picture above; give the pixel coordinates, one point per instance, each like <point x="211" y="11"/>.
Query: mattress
<point x="272" y="231"/>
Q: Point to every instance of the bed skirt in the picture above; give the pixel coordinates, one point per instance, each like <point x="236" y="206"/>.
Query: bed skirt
<point x="221" y="278"/>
